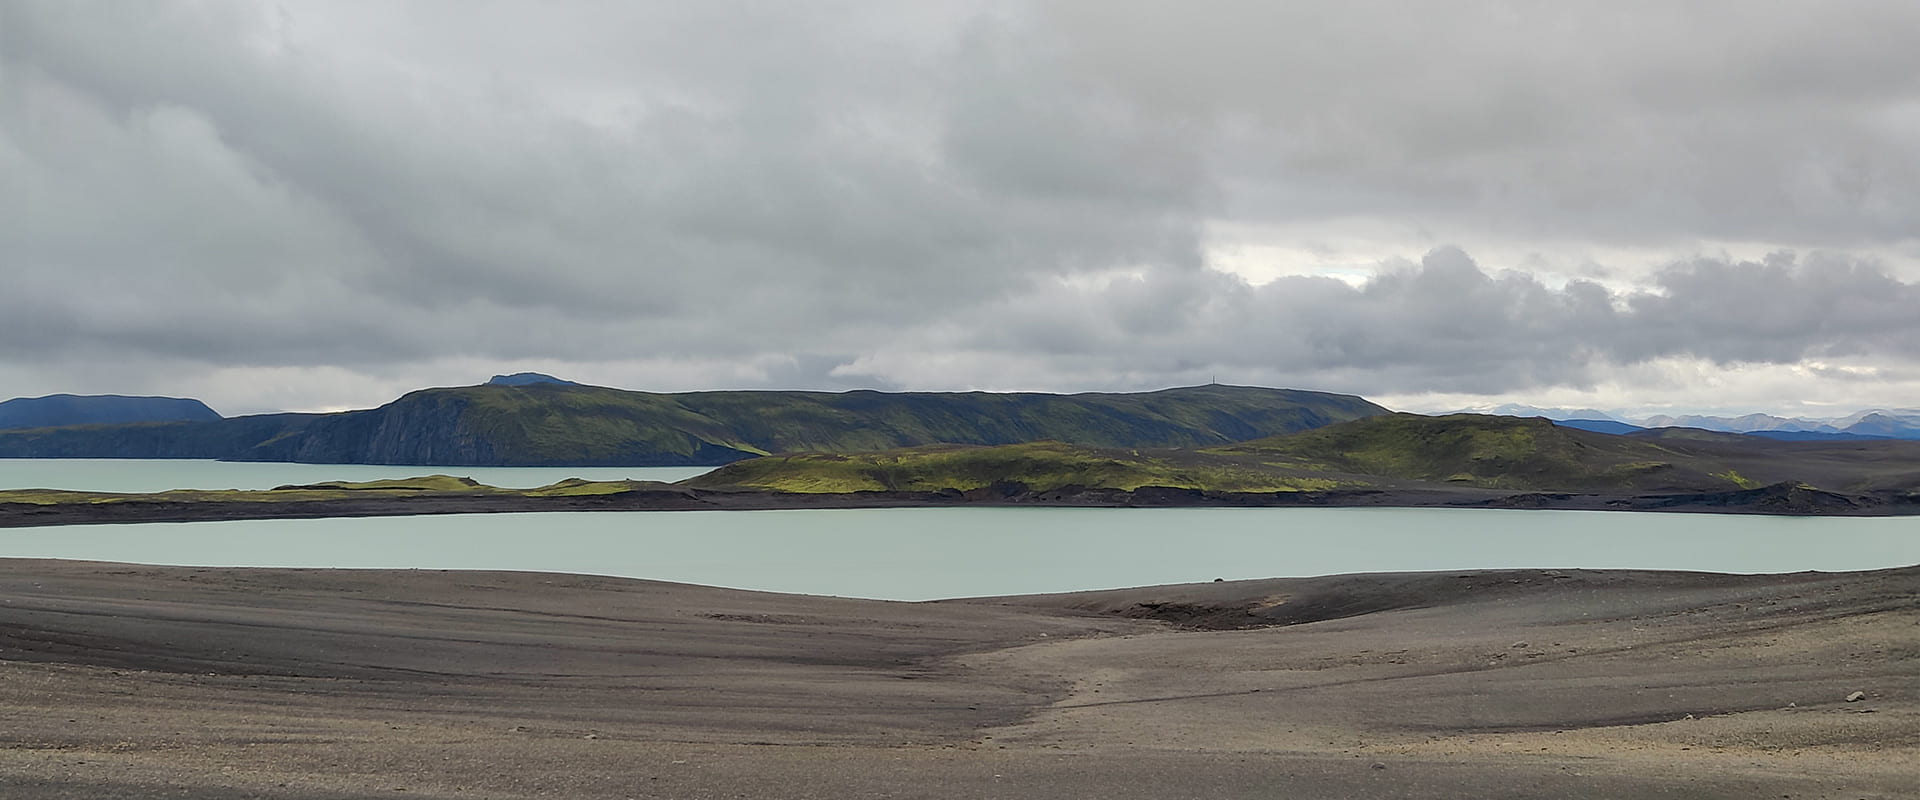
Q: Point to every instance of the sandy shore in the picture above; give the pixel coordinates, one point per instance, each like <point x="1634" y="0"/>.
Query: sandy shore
<point x="121" y="681"/>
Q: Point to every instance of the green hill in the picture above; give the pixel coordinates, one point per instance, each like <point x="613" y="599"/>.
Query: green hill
<point x="1041" y="466"/>
<point x="551" y="424"/>
<point x="1383" y="451"/>
<point x="1492" y="452"/>
<point x="1535" y="454"/>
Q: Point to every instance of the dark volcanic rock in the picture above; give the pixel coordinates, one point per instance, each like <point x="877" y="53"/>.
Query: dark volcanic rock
<point x="1779" y="498"/>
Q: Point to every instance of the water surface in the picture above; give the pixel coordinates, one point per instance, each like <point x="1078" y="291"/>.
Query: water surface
<point x="159" y="475"/>
<point x="925" y="553"/>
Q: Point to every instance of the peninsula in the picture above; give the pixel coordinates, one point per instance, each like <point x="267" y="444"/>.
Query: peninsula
<point x="1464" y="460"/>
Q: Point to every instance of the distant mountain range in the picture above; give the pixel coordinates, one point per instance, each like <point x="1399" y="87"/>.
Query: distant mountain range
<point x="1895" y="423"/>
<point x="1871" y="424"/>
<point x="67" y="409"/>
<point x="1521" y="410"/>
<point x="528" y="419"/>
<point x="1749" y="423"/>
<point x="533" y="420"/>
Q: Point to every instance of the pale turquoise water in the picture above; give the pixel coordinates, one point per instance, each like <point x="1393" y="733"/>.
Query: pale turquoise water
<point x="159" y="475"/>
<point x="916" y="554"/>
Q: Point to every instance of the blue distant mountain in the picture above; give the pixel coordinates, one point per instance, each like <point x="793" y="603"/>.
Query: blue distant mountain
<point x="1901" y="424"/>
<point x="1750" y="423"/>
<point x="1817" y="436"/>
<point x="59" y="410"/>
<point x="1865" y="425"/>
<point x="1878" y="423"/>
<point x="528" y="379"/>
<point x="1599" y="426"/>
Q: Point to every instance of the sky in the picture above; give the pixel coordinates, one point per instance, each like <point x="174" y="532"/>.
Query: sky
<point x="1650" y="207"/>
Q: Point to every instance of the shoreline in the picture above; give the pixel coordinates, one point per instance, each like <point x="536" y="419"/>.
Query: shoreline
<point x="1777" y="500"/>
<point x="126" y="681"/>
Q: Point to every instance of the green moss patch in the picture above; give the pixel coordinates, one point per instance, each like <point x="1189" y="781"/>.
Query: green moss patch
<point x="1041" y="466"/>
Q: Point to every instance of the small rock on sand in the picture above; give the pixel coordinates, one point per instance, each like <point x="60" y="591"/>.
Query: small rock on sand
<point x="1856" y="697"/>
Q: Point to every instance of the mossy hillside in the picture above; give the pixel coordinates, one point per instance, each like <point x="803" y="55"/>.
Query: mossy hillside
<point x="864" y="421"/>
<point x="1040" y="466"/>
<point x="587" y="426"/>
<point x="227" y="438"/>
<point x="424" y="483"/>
<point x="1490" y="452"/>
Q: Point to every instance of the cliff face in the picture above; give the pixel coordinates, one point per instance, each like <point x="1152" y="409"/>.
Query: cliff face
<point x="423" y="428"/>
<point x="66" y="409"/>
<point x="227" y="438"/>
<point x="549" y="424"/>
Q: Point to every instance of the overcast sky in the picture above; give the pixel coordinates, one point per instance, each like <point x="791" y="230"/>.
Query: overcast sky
<point x="314" y="205"/>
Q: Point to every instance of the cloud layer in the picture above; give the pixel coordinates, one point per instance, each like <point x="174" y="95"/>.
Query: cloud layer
<point x="318" y="204"/>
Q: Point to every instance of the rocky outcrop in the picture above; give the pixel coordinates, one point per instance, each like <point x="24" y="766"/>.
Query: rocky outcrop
<point x="1779" y="498"/>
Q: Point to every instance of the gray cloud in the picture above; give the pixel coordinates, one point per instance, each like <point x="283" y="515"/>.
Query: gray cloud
<point x="1623" y="122"/>
<point x="1447" y="325"/>
<point x="942" y="196"/>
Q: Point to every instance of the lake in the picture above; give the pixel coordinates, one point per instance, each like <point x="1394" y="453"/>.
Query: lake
<point x="927" y="553"/>
<point x="159" y="475"/>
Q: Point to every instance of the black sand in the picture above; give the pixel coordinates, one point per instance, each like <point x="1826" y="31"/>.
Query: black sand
<point x="128" y="681"/>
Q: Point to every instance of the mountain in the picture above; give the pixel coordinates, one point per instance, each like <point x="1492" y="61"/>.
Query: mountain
<point x="1783" y="434"/>
<point x="1880" y="422"/>
<point x="1744" y="424"/>
<point x="109" y="409"/>
<point x="556" y="424"/>
<point x="1909" y="416"/>
<point x="528" y="379"/>
<point x="1873" y="424"/>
